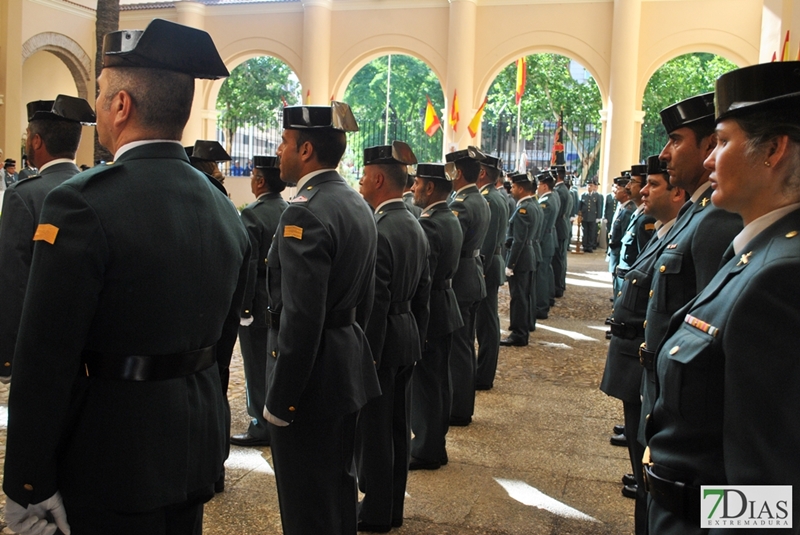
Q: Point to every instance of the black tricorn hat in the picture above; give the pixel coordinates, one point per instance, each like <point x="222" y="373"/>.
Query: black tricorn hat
<point x="338" y="116"/>
<point x="693" y="109"/>
<point x="768" y="86"/>
<point x="207" y="151"/>
<point x="545" y="176"/>
<point x="655" y="166"/>
<point x="396" y="153"/>
<point x="622" y="180"/>
<point x="266" y="162"/>
<point x="63" y="108"/>
<point x="470" y="152"/>
<point x="433" y="171"/>
<point x="638" y="170"/>
<point x="492" y="161"/>
<point x="520" y="177"/>
<point x="9" y="163"/>
<point x="560" y="170"/>
<point x="165" y="45"/>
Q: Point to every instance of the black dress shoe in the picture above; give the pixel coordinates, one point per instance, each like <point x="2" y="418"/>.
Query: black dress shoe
<point x="423" y="464"/>
<point x="559" y="294"/>
<point x="373" y="528"/>
<point x="460" y="422"/>
<point x="513" y="342"/>
<point x="541" y="315"/>
<point x="443" y="461"/>
<point x="483" y="387"/>
<point x="619" y="440"/>
<point x="629" y="491"/>
<point x="619" y="429"/>
<point x="219" y="484"/>
<point x="628" y="479"/>
<point x="249" y="441"/>
<point x="397" y="522"/>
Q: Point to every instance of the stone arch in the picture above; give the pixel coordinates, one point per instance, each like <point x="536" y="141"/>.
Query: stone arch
<point x="68" y="51"/>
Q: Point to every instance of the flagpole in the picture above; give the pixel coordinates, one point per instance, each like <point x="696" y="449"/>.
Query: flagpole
<point x="388" y="87"/>
<point x="519" y="107"/>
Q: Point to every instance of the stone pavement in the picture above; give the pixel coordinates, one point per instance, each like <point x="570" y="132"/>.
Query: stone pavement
<point x="535" y="460"/>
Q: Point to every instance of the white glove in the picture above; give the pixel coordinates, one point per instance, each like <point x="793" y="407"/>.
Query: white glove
<point x="32" y="520"/>
<point x="509" y="272"/>
<point x="274" y="420"/>
<point x="246" y="322"/>
<point x="5" y="379"/>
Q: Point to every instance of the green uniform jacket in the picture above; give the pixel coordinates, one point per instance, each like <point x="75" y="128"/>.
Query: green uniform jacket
<point x="550" y="207"/>
<point x="640" y="229"/>
<point x="519" y="240"/>
<point x="564" y="210"/>
<point x="473" y="214"/>
<point x="491" y="250"/>
<point x="22" y="205"/>
<point x="148" y="259"/>
<point x="322" y="263"/>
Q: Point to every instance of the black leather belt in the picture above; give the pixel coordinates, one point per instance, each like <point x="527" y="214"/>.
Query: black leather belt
<point x="471" y="254"/>
<point x="333" y="319"/>
<point x="442" y="285"/>
<point x="147" y="367"/>
<point x="621" y="272"/>
<point x="681" y="499"/>
<point x="625" y="331"/>
<point x="400" y="307"/>
<point x="647" y="358"/>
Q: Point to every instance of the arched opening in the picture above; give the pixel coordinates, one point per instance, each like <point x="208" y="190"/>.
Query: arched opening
<point x="677" y="79"/>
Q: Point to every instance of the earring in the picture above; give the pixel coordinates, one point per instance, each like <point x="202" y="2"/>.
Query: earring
<point x="767" y="163"/>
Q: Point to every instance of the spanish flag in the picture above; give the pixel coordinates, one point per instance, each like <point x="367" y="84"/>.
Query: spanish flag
<point x="308" y="97"/>
<point x="522" y="73"/>
<point x="432" y="123"/>
<point x="475" y="123"/>
<point x="785" y="55"/>
<point x="454" y="115"/>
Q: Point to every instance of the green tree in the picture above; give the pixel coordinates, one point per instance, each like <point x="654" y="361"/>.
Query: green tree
<point x="677" y="79"/>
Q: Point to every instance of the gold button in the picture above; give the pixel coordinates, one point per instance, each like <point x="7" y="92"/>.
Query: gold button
<point x="647" y="418"/>
<point x="634" y="281"/>
<point x="662" y="269"/>
<point x="274" y="354"/>
<point x="291" y="409"/>
<point x="619" y="293"/>
<point x="7" y="364"/>
<point x="247" y="312"/>
<point x="674" y="350"/>
<point x="309" y="187"/>
<point x="651" y="293"/>
<point x="645" y="324"/>
<point x="28" y="486"/>
<point x="791" y="234"/>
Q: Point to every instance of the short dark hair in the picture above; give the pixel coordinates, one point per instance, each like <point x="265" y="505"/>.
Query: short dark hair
<point x="439" y="186"/>
<point x="492" y="172"/>
<point x="163" y="99"/>
<point x="470" y="169"/>
<point x="329" y="144"/>
<point x="527" y="185"/>
<point x="702" y="129"/>
<point x="60" y="138"/>
<point x="396" y="173"/>
<point x="272" y="178"/>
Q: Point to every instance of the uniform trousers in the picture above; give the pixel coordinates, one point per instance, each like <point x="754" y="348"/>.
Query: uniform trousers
<point x="383" y="436"/>
<point x="632" y="413"/>
<point x="519" y="286"/>
<point x="463" y="365"/>
<point x="315" y="475"/>
<point x="545" y="290"/>
<point x="559" y="265"/>
<point x="589" y="235"/>
<point x="487" y="330"/>
<point x="430" y="400"/>
<point x="253" y="341"/>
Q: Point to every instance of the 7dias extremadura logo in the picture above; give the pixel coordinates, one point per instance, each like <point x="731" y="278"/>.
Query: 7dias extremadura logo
<point x="746" y="506"/>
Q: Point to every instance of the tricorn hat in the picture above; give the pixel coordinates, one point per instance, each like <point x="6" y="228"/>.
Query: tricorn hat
<point x="768" y="86"/>
<point x="207" y="151"/>
<point x="492" y="161"/>
<point x="266" y="162"/>
<point x="165" y="45"/>
<point x="63" y="108"/>
<point x="622" y="180"/>
<point x="546" y="176"/>
<point x="338" y="116"/>
<point x="433" y="171"/>
<point x="396" y="153"/>
<point x="656" y="166"/>
<point x="470" y="152"/>
<point x="692" y="110"/>
<point x="520" y="177"/>
<point x="638" y="170"/>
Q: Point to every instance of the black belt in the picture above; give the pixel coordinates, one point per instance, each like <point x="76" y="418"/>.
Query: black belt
<point x="400" y="307"/>
<point x="471" y="254"/>
<point x="621" y="272"/>
<point x="681" y="499"/>
<point x="647" y="358"/>
<point x="333" y="319"/>
<point x="147" y="367"/>
<point x="625" y="331"/>
<point x="445" y="284"/>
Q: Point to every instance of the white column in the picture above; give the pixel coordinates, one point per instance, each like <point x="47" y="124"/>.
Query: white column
<point x="11" y="103"/>
<point x="194" y="14"/>
<point x="316" y="51"/>
<point x="460" y="71"/>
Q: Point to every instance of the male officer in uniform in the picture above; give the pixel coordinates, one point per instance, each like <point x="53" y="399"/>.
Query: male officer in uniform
<point x="545" y="288"/>
<point x="623" y="373"/>
<point x="520" y="258"/>
<point x="408" y="195"/>
<point x="562" y="230"/>
<point x="619" y="224"/>
<point x="430" y="399"/>
<point x="53" y="136"/>
<point x="260" y="218"/>
<point x="591" y="207"/>
<point x="10" y="175"/>
<point x="640" y="227"/>
<point x="205" y="154"/>
<point x="701" y="234"/>
<point x="487" y="322"/>
<point x="395" y="331"/>
<point x="320" y="279"/>
<point x="135" y="288"/>
<point x="473" y="213"/>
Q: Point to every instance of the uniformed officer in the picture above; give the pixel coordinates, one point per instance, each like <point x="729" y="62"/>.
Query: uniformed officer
<point x="408" y="195"/>
<point x="260" y="218"/>
<point x="320" y="277"/>
<point x="726" y="412"/>
<point x="53" y="136"/>
<point x="545" y="287"/>
<point x="473" y="213"/>
<point x="118" y="347"/>
<point x="694" y="247"/>
<point x="562" y="230"/>
<point x="520" y="259"/>
<point x="10" y="175"/>
<point x="623" y="373"/>
<point x="618" y="226"/>
<point x="591" y="207"/>
<point x="205" y="154"/>
<point x="640" y="227"/>
<point x="487" y="321"/>
<point x="430" y="398"/>
<point x="396" y="331"/>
